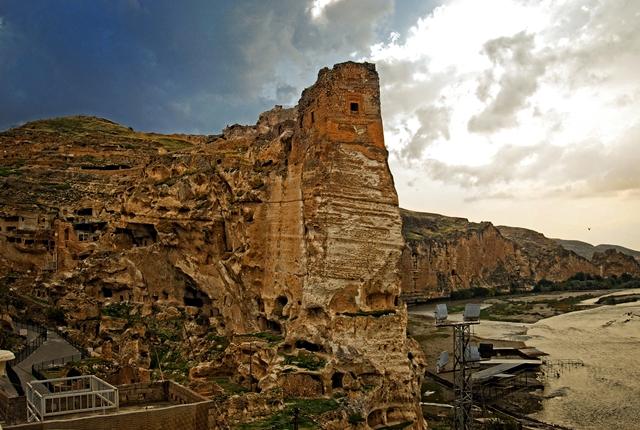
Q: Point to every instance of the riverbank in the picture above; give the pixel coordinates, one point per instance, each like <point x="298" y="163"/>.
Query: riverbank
<point x="566" y="326"/>
<point x="603" y="394"/>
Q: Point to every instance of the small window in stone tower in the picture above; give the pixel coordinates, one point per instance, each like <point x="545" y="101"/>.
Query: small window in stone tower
<point x="353" y="107"/>
<point x="313" y="118"/>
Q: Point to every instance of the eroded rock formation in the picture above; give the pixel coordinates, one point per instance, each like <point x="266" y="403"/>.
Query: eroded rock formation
<point x="271" y="250"/>
<point x="611" y="262"/>
<point x="587" y="250"/>
<point x="446" y="254"/>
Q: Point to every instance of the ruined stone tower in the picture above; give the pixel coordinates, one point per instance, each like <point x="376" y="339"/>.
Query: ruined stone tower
<point x="351" y="219"/>
<point x="341" y="298"/>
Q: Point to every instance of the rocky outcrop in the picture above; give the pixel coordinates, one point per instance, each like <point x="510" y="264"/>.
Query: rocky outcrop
<point x="287" y="230"/>
<point x="587" y="250"/>
<point x="611" y="262"/>
<point x="446" y="254"/>
<point x="544" y="258"/>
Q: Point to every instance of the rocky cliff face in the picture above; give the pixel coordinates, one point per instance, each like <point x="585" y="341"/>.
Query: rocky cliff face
<point x="271" y="250"/>
<point x="611" y="262"/>
<point x="545" y="259"/>
<point x="587" y="250"/>
<point x="445" y="254"/>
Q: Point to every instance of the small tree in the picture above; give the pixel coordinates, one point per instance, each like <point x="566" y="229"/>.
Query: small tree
<point x="626" y="277"/>
<point x="56" y="314"/>
<point x="4" y="295"/>
<point x="502" y="422"/>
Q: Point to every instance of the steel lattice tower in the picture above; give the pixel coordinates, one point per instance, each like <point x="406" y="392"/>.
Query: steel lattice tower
<point x="463" y="414"/>
<point x="462" y="356"/>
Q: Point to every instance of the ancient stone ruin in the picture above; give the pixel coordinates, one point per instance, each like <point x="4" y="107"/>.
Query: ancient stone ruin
<point x="267" y="254"/>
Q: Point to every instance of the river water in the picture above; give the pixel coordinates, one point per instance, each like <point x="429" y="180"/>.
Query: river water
<point x="605" y="393"/>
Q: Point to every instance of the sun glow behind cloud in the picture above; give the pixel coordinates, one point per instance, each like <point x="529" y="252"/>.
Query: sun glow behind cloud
<point x="517" y="107"/>
<point x="318" y="7"/>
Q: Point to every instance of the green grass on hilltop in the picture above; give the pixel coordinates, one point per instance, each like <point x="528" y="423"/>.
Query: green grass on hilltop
<point x="417" y="226"/>
<point x="77" y="126"/>
<point x="83" y="127"/>
<point x="172" y="144"/>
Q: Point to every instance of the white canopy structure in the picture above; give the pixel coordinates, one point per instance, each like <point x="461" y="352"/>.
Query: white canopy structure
<point x="4" y="357"/>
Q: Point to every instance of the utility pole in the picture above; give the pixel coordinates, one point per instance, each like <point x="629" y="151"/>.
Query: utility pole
<point x="251" y="364"/>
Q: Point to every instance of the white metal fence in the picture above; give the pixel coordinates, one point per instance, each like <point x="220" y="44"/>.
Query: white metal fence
<point x="69" y="395"/>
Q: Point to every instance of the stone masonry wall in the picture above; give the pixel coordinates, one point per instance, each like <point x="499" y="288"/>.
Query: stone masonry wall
<point x="13" y="409"/>
<point x="181" y="417"/>
<point x="191" y="411"/>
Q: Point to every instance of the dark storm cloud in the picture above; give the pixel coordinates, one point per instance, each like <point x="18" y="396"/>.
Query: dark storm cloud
<point x="286" y="93"/>
<point x="126" y="60"/>
<point x="347" y="23"/>
<point x="168" y="66"/>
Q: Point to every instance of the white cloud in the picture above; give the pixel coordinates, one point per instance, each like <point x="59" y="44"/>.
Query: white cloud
<point x="527" y="101"/>
<point x="318" y="7"/>
<point x="520" y="71"/>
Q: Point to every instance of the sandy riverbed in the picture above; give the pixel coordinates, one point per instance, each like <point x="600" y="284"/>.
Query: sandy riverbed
<point x="604" y="394"/>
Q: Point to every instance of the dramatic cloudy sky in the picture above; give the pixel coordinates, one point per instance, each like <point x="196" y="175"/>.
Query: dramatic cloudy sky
<point x="519" y="112"/>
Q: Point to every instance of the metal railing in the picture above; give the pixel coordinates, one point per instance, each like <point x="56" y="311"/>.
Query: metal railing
<point x="38" y="369"/>
<point x="34" y="344"/>
<point x="71" y="342"/>
<point x="563" y="362"/>
<point x="42" y="337"/>
<point x="29" y="325"/>
<point x="70" y="395"/>
<point x="15" y="380"/>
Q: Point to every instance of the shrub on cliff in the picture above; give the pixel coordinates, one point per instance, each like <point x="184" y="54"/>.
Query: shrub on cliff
<point x="56" y="315"/>
<point x="501" y="423"/>
<point x="471" y="293"/>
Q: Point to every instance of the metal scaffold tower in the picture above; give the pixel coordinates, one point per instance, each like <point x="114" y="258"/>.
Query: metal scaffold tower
<point x="463" y="356"/>
<point x="462" y="377"/>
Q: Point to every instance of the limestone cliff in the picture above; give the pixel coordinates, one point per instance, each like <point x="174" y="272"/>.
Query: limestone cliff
<point x="269" y="252"/>
<point x="611" y="262"/>
<point x="587" y="250"/>
<point x="445" y="254"/>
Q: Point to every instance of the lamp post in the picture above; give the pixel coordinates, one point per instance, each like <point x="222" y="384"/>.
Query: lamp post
<point x="463" y="356"/>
